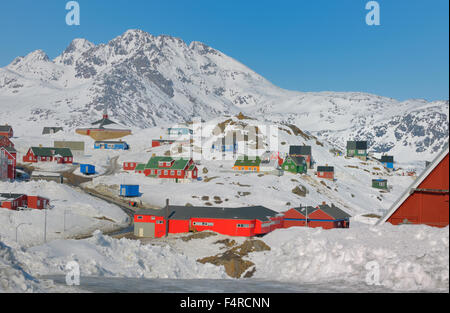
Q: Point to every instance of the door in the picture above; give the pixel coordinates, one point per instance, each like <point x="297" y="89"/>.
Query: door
<point x="141" y="232"/>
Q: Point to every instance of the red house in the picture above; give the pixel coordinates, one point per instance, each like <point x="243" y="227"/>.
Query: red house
<point x="426" y="200"/>
<point x="12" y="201"/>
<point x="324" y="216"/>
<point x="8" y="163"/>
<point x="6" y="142"/>
<point x="129" y="166"/>
<point x="49" y="154"/>
<point x="326" y="172"/>
<point x="6" y="130"/>
<point x="170" y="168"/>
<point x="245" y="222"/>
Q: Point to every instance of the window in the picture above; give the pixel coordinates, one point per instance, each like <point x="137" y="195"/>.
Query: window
<point x="139" y="217"/>
<point x="172" y="173"/>
<point x="165" y="172"/>
<point x="243" y="225"/>
<point x="203" y="224"/>
<point x="153" y="218"/>
<point x="361" y="151"/>
<point x="160" y="222"/>
<point x="179" y="173"/>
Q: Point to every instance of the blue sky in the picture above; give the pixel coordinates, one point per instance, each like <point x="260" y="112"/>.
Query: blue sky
<point x="315" y="45"/>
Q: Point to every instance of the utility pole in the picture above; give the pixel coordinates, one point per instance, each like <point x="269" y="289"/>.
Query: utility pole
<point x="64" y="231"/>
<point x="45" y="225"/>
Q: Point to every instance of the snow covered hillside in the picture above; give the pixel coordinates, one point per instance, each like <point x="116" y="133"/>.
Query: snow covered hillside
<point x="145" y="80"/>
<point x="221" y="186"/>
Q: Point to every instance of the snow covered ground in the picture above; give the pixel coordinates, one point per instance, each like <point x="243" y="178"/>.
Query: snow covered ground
<point x="407" y="258"/>
<point x="83" y="214"/>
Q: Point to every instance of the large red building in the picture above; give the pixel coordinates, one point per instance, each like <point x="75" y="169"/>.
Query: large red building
<point x="48" y="154"/>
<point x="245" y="221"/>
<point x="426" y="200"/>
<point x="324" y="216"/>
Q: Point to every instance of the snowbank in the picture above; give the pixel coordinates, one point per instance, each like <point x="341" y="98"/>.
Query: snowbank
<point x="105" y="256"/>
<point x="409" y="258"/>
<point x="14" y="276"/>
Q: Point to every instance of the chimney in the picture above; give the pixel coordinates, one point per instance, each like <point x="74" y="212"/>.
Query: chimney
<point x="324" y="203"/>
<point x="40" y="145"/>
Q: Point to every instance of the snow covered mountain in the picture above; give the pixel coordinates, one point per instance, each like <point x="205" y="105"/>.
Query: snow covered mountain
<point x="144" y="80"/>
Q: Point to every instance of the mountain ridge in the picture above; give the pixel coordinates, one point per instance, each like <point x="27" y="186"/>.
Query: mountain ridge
<point x="145" y="80"/>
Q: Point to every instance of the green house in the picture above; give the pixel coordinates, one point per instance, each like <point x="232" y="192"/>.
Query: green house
<point x="379" y="183"/>
<point x="357" y="149"/>
<point x="294" y="164"/>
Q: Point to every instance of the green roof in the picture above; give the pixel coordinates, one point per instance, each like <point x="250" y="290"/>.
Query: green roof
<point x="48" y="152"/>
<point x="140" y="167"/>
<point x="246" y="162"/>
<point x="178" y="164"/>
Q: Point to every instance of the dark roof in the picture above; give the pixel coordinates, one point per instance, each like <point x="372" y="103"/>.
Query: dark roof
<point x="9" y="149"/>
<point x="186" y="212"/>
<point x="332" y="211"/>
<point x="298" y="160"/>
<point x="103" y="122"/>
<point x="300" y="150"/>
<point x="47" y="151"/>
<point x="5" y="128"/>
<point x="11" y="196"/>
<point x="325" y="168"/>
<point x="357" y="145"/>
<point x="387" y="159"/>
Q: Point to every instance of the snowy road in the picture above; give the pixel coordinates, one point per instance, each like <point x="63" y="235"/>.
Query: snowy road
<point x="136" y="285"/>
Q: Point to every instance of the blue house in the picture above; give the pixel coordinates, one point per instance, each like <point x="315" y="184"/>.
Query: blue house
<point x="87" y="169"/>
<point x="129" y="191"/>
<point x="387" y="161"/>
<point x="111" y="145"/>
<point x="221" y="146"/>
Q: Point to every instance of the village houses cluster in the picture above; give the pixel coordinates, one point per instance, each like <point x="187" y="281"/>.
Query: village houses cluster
<point x="233" y="221"/>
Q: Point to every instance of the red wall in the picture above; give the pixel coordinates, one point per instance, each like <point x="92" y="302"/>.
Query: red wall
<point x="427" y="207"/>
<point x="221" y="226"/>
<point x="33" y="202"/>
<point x="14" y="204"/>
<point x="129" y="166"/>
<point x="316" y="219"/>
<point x="9" y="134"/>
<point x="327" y="175"/>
